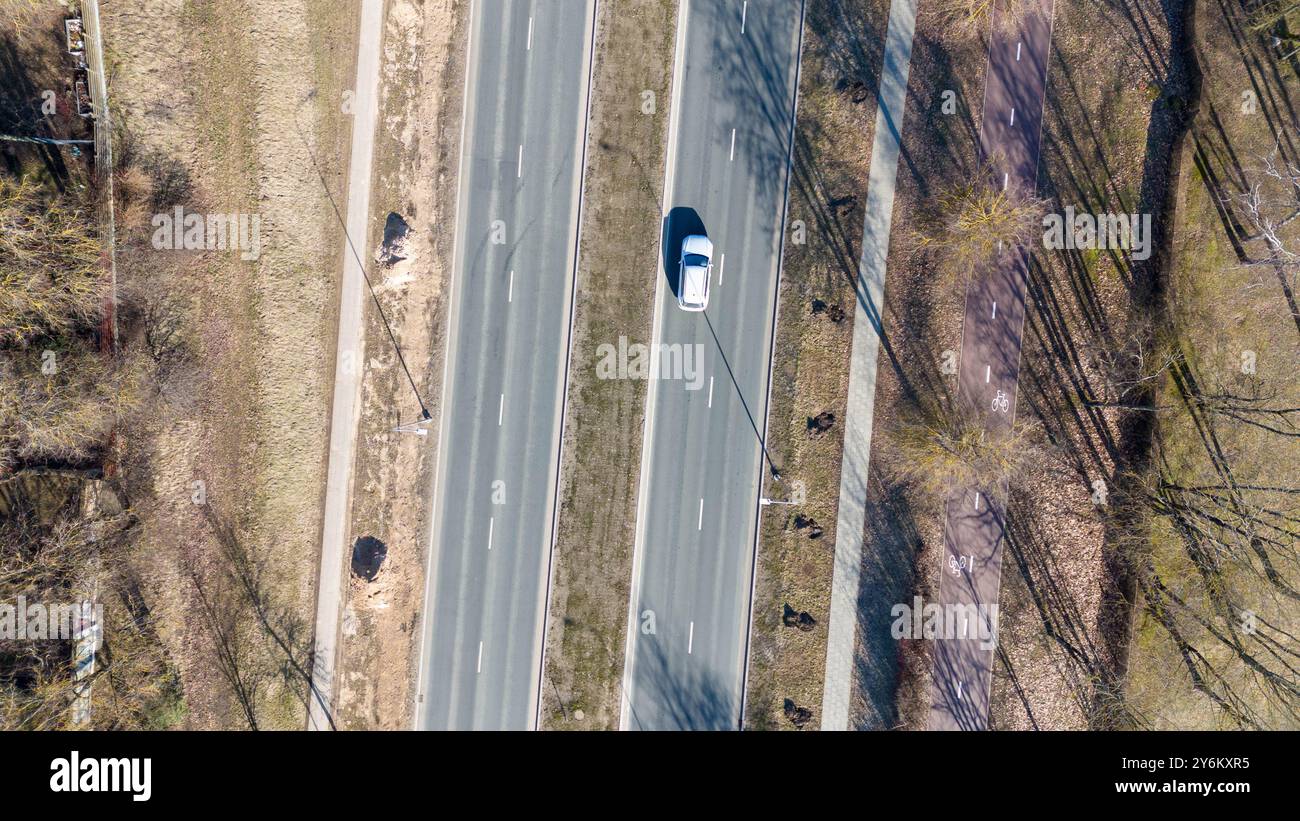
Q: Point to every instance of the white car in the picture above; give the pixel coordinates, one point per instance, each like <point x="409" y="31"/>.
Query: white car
<point x="695" y="272"/>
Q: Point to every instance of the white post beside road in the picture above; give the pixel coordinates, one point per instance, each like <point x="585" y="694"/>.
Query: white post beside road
<point x="867" y="321"/>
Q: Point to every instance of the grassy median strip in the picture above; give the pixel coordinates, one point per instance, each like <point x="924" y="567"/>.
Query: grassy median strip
<point x="617" y="270"/>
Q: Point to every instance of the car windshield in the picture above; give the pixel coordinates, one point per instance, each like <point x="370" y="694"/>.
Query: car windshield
<point x="696" y="260"/>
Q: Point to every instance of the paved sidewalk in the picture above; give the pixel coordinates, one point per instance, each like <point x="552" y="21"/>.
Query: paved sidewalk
<point x="891" y="106"/>
<point x="347" y="372"/>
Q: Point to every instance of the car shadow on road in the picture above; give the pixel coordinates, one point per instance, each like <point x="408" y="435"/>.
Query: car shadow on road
<point x="680" y="223"/>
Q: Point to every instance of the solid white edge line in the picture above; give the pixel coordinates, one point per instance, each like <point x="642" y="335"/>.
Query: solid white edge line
<point x="453" y="310"/>
<point x="647" y="423"/>
<point x="771" y="361"/>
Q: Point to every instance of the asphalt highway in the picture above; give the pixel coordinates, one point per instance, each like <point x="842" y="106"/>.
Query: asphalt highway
<point x="516" y="235"/>
<point x="735" y="73"/>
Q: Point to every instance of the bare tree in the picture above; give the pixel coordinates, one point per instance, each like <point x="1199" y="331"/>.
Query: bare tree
<point x="50" y="562"/>
<point x="974" y="16"/>
<point x="946" y="448"/>
<point x="1271" y="206"/>
<point x="975" y="222"/>
<point x="1281" y="20"/>
<point x="1228" y="515"/>
<point x="1129" y="367"/>
<point x="60" y="404"/>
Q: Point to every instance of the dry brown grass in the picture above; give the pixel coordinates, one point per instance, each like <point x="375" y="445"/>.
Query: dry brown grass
<point x="922" y="317"/>
<point x="1061" y="646"/>
<point x="833" y="133"/>
<point x="974" y="17"/>
<point x="967" y="226"/>
<point x="51" y="279"/>
<point x="47" y="560"/>
<point x="944" y="450"/>
<point x="235" y="117"/>
<point x="923" y="308"/>
<point x="416" y="152"/>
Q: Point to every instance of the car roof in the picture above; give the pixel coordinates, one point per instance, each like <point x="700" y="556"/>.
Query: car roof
<point x="695" y="279"/>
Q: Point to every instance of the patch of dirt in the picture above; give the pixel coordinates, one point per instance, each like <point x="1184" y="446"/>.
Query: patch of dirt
<point x="368" y="554"/>
<point x="622" y="208"/>
<point x="413" y="201"/>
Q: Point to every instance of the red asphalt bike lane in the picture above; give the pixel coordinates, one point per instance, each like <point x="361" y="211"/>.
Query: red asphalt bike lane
<point x="1010" y="137"/>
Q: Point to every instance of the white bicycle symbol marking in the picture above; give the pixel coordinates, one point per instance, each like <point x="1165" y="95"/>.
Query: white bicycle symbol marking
<point x="1001" y="402"/>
